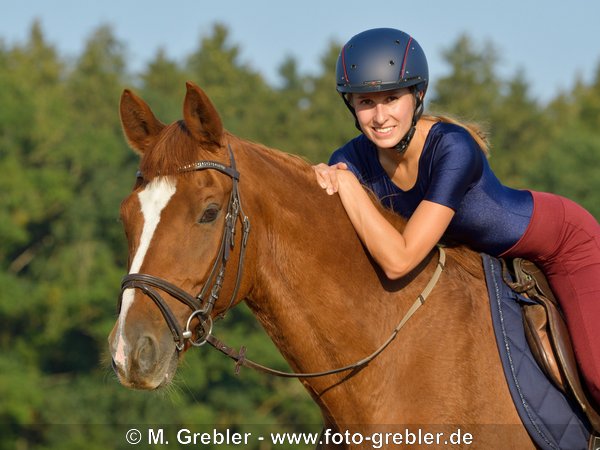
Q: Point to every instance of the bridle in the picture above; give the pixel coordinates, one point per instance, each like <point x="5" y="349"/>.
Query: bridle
<point x="202" y="309"/>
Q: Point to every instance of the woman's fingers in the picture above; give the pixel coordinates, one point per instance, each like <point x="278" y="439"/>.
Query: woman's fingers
<point x="321" y="174"/>
<point x="327" y="176"/>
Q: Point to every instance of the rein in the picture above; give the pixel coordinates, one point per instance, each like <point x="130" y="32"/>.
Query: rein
<point x="202" y="309"/>
<point x="241" y="360"/>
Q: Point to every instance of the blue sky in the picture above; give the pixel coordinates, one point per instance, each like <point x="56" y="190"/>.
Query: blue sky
<point x="553" y="42"/>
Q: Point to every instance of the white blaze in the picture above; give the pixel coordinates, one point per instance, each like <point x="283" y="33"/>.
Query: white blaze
<point x="153" y="199"/>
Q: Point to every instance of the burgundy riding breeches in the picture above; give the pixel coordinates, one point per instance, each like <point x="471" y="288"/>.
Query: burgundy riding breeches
<point x="563" y="239"/>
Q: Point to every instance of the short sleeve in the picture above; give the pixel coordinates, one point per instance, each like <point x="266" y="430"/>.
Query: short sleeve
<point x="456" y="166"/>
<point x="347" y="154"/>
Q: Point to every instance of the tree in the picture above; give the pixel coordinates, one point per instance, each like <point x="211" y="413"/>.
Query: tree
<point x="162" y="86"/>
<point x="472" y="89"/>
<point x="329" y="123"/>
<point x="517" y="133"/>
<point x="240" y="94"/>
<point x="30" y="124"/>
<point x="568" y="165"/>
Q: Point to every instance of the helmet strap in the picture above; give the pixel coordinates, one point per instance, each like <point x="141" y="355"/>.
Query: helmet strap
<point x="351" y="108"/>
<point x="401" y="146"/>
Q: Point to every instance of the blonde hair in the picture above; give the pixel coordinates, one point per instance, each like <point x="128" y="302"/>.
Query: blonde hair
<point x="474" y="129"/>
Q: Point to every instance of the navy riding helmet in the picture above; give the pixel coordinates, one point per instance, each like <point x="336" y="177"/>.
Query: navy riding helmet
<point x="383" y="59"/>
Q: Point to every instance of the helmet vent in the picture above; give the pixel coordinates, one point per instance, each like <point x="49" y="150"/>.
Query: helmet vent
<point x="392" y="62"/>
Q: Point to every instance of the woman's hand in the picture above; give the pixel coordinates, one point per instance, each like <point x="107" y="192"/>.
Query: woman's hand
<point x="328" y="176"/>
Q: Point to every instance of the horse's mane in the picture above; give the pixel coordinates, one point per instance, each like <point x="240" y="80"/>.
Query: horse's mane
<point x="296" y="163"/>
<point x="176" y="148"/>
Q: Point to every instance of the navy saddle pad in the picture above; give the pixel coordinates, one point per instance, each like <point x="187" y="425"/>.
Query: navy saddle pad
<point x="551" y="420"/>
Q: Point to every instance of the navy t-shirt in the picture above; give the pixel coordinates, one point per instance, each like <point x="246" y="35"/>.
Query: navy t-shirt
<point x="454" y="172"/>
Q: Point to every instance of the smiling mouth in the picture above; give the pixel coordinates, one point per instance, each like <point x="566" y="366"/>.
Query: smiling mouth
<point x="383" y="130"/>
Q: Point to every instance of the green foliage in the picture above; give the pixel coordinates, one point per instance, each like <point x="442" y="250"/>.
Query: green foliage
<point x="163" y="86"/>
<point x="65" y="168"/>
<point x="329" y="122"/>
<point x="238" y="92"/>
<point x="473" y="86"/>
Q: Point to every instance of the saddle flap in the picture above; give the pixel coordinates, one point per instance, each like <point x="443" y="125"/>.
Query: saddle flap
<point x="548" y="336"/>
<point x="535" y="321"/>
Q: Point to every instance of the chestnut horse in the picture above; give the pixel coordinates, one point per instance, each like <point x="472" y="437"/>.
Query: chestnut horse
<point x="307" y="279"/>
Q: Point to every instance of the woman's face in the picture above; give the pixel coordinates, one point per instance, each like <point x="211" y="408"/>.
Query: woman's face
<point x="384" y="117"/>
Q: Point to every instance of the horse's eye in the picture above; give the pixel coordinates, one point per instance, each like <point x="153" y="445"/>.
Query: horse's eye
<point x="209" y="214"/>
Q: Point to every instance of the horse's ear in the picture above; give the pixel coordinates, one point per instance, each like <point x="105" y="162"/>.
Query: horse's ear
<point x="201" y="117"/>
<point x="139" y="124"/>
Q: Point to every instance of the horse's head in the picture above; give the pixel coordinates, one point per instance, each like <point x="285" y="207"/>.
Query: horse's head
<point x="180" y="223"/>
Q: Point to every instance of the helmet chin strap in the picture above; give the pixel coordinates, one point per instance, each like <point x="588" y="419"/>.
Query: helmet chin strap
<point x="351" y="108"/>
<point x="401" y="146"/>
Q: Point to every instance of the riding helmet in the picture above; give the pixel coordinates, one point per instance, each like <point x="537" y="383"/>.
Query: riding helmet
<point x="383" y="59"/>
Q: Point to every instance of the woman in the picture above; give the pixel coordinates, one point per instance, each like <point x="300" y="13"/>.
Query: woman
<point x="436" y="174"/>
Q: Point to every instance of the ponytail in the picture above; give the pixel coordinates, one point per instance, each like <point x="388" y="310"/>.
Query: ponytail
<point x="477" y="133"/>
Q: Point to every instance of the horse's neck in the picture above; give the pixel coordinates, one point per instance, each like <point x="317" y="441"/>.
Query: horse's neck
<point x="315" y="290"/>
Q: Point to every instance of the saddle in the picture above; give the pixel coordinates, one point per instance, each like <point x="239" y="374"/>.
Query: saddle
<point x="548" y="338"/>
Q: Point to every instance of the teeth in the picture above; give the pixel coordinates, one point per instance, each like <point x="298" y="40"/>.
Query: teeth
<point x="383" y="130"/>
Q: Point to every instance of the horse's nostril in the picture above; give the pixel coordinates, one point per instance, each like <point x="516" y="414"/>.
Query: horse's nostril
<point x="146" y="354"/>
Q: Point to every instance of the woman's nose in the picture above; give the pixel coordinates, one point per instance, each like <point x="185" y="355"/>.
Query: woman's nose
<point x="380" y="113"/>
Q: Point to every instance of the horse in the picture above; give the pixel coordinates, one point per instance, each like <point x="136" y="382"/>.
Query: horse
<point x="307" y="279"/>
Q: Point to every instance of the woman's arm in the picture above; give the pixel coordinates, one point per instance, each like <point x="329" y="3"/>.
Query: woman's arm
<point x="396" y="253"/>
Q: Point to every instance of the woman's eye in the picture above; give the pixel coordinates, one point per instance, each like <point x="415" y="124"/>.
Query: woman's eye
<point x="209" y="214"/>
